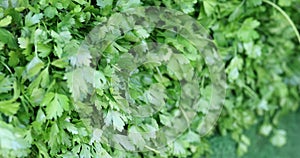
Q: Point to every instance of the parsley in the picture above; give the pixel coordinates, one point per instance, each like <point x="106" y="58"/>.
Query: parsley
<point x="107" y="78"/>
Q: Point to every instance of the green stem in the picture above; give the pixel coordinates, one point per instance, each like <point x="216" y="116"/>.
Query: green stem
<point x="185" y="117"/>
<point x="286" y="17"/>
<point x="7" y="67"/>
<point x="148" y="147"/>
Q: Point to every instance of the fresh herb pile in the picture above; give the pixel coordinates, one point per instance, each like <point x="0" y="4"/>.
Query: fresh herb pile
<point x="52" y="104"/>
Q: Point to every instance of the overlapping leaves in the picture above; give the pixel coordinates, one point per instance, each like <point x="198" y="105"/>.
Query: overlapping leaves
<point x="37" y="39"/>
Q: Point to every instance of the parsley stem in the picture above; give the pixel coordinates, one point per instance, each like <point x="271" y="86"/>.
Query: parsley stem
<point x="286" y="17"/>
<point x="185" y="117"/>
<point x="7" y="67"/>
<point x="116" y="67"/>
<point x="160" y="75"/>
<point x="148" y="147"/>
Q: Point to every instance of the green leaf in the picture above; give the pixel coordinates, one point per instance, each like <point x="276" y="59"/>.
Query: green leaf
<point x="55" y="104"/>
<point x="253" y="3"/>
<point x="96" y="137"/>
<point x="209" y="7"/>
<point x="116" y="119"/>
<point x="236" y="13"/>
<point x="44" y="49"/>
<point x="285" y="3"/>
<point x="188" y="6"/>
<point x="141" y="32"/>
<point x="82" y="80"/>
<point x="34" y="67"/>
<point x="81" y="58"/>
<point x="13" y="59"/>
<point x="234" y="67"/>
<point x="85" y="151"/>
<point x="5" y="21"/>
<point x="31" y="19"/>
<point x="50" y="12"/>
<point x="60" y="63"/>
<point x="265" y="129"/>
<point x="165" y="120"/>
<point x="279" y="138"/>
<point x="6" y="83"/>
<point x="7" y="38"/>
<point x="136" y="137"/>
<point x="242" y="149"/>
<point x="82" y="2"/>
<point x="23" y="42"/>
<point x="124" y="142"/>
<point x="54" y="130"/>
<point x="245" y="140"/>
<point x="126" y="4"/>
<point x="9" y="108"/>
<point x="247" y="32"/>
<point x="178" y="149"/>
<point x="12" y="142"/>
<point x="42" y="58"/>
<point x="192" y="137"/>
<point x="253" y="51"/>
<point x="180" y="66"/>
<point x="104" y="3"/>
<point x="77" y="83"/>
<point x="155" y="95"/>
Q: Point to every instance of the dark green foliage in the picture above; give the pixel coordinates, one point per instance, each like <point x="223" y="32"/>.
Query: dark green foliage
<point x="39" y="111"/>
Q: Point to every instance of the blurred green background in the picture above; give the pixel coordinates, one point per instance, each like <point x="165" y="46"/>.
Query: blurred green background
<point x="225" y="147"/>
